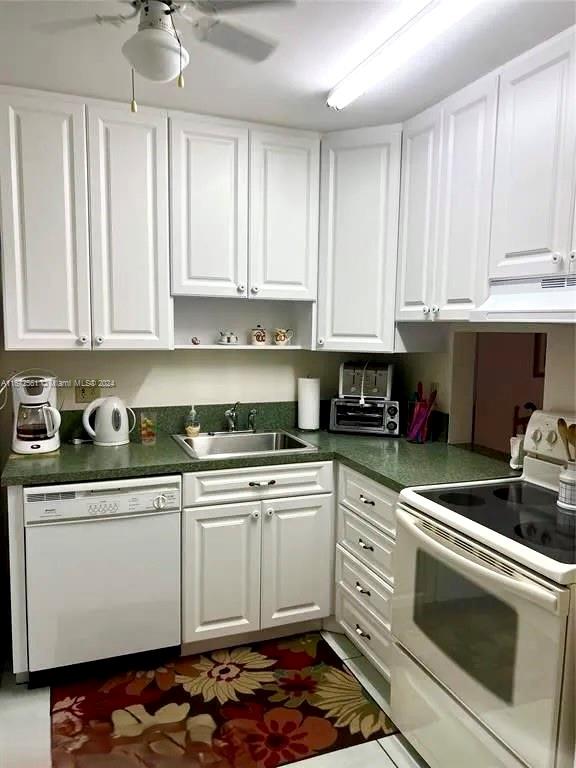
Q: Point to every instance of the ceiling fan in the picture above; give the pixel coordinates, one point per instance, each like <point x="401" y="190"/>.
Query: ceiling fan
<point x="156" y="51"/>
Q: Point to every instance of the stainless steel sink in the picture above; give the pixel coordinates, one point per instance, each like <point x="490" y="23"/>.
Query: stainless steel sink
<point x="226" y="445"/>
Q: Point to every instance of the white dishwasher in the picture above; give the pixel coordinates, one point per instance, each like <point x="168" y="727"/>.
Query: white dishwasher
<point x="102" y="569"/>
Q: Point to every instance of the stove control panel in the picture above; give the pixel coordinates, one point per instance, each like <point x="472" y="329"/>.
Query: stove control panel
<point x="543" y="438"/>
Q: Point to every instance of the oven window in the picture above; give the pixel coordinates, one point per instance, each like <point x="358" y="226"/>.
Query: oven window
<point x="475" y="629"/>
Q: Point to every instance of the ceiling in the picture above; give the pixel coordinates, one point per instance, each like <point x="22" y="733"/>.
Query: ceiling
<point x="320" y="40"/>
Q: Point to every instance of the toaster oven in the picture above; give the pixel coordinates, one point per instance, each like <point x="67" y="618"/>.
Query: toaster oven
<point x="374" y="417"/>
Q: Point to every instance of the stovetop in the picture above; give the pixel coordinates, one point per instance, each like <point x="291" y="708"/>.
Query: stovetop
<point x="521" y="511"/>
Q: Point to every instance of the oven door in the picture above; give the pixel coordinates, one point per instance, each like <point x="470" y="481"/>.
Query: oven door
<point x="491" y="632"/>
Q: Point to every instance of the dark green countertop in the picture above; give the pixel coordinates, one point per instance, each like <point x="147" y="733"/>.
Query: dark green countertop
<point x="392" y="462"/>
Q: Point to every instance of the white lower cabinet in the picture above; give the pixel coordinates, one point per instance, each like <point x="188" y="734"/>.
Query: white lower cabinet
<point x="221" y="570"/>
<point x="364" y="565"/>
<point x="297" y="557"/>
<point x="255" y="565"/>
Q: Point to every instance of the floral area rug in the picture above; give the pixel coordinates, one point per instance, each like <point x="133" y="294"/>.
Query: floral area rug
<point x="262" y="706"/>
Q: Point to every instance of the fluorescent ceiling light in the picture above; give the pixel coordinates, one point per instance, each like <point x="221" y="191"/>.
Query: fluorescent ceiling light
<point x="433" y="21"/>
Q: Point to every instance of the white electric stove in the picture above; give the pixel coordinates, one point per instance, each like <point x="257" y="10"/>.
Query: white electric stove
<point x="484" y="616"/>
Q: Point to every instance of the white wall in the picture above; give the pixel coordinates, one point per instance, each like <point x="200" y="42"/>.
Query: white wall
<point x="182" y="377"/>
<point x="560" y="379"/>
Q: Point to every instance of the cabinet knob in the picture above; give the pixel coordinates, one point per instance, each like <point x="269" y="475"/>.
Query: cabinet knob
<point x="435" y="309"/>
<point x="320" y="342"/>
<point x="572" y="260"/>
<point x="254" y="289"/>
<point x="270" y="512"/>
<point x="255" y="515"/>
<point x="99" y="339"/>
<point x="426" y="309"/>
<point x="240" y="288"/>
<point x="556" y="258"/>
<point x="83" y="339"/>
<point x="572" y="256"/>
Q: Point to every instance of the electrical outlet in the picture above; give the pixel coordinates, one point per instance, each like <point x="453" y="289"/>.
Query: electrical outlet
<point x="86" y="394"/>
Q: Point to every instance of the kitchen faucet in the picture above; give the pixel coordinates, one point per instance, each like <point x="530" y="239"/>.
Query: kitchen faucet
<point x="232" y="417"/>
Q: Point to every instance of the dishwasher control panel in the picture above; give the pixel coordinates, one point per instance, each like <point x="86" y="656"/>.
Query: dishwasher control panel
<point x="100" y="500"/>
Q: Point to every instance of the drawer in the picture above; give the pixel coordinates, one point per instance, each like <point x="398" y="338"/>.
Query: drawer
<point x="371" y="636"/>
<point x="372" y="501"/>
<point x="374" y="593"/>
<point x="440" y="729"/>
<point x="369" y="545"/>
<point x="250" y="484"/>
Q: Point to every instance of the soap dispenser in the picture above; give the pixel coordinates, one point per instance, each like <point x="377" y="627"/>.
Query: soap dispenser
<point x="192" y="424"/>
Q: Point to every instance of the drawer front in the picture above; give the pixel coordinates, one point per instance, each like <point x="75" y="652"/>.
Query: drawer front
<point x="438" y="727"/>
<point x="371" y="636"/>
<point x="250" y="484"/>
<point x="372" y="501"/>
<point x="368" y="544"/>
<point x="374" y="593"/>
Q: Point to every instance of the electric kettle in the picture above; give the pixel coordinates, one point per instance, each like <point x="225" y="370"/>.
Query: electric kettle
<point x="111" y="421"/>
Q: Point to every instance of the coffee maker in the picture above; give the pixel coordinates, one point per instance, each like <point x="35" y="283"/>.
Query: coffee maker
<point x="36" y="418"/>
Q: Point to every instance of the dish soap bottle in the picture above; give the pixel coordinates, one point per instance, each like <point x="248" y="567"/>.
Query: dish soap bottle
<point x="192" y="424"/>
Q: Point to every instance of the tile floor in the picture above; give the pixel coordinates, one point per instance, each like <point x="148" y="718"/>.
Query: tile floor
<point x="25" y="724"/>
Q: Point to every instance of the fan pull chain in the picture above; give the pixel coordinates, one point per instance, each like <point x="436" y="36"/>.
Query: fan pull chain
<point x="133" y="105"/>
<point x="180" y="76"/>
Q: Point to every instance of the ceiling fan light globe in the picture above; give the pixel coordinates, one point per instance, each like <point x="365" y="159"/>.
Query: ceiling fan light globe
<point x="155" y="55"/>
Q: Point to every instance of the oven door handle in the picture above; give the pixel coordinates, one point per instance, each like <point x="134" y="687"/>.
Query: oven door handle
<point x="518" y="585"/>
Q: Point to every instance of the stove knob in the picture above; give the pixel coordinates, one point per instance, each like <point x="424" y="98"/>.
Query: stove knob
<point x="391" y="426"/>
<point x="392" y="410"/>
<point x="537" y="435"/>
<point x="551" y="437"/>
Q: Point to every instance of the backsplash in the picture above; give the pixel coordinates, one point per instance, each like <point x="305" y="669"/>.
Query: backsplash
<point x="170" y="420"/>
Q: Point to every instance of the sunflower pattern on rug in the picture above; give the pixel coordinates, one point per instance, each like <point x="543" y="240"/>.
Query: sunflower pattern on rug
<point x="262" y="706"/>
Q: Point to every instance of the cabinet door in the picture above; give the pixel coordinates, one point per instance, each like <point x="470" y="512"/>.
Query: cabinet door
<point x="297" y="559"/>
<point x="132" y="307"/>
<point x="534" y="176"/>
<point x="44" y="213"/>
<point x="284" y="178"/>
<point x="419" y="214"/>
<point x="358" y="239"/>
<point x="209" y="207"/>
<point x="220" y="571"/>
<point x="466" y="177"/>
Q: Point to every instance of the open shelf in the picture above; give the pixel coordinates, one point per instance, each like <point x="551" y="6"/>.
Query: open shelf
<point x="204" y="317"/>
<point x="273" y="347"/>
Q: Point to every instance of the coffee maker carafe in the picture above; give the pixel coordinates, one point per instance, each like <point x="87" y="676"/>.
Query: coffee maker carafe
<point x="36" y="418"/>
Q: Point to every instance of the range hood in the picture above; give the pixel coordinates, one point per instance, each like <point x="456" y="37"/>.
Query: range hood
<point x="530" y="300"/>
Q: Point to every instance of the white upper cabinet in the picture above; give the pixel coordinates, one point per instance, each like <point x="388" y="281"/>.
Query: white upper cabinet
<point x="447" y="174"/>
<point x="128" y="173"/>
<point x="44" y="214"/>
<point x="209" y="207"/>
<point x="358" y="239"/>
<point x="297" y="562"/>
<point x="534" y="181"/>
<point x="284" y="179"/>
<point x="418" y="214"/>
<point x="465" y="201"/>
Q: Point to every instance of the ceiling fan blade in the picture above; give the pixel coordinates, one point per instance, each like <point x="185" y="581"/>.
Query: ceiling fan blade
<point x="241" y="42"/>
<point x="230" y="6"/>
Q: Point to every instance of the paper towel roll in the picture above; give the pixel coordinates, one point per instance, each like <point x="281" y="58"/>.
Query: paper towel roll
<point x="308" y="403"/>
